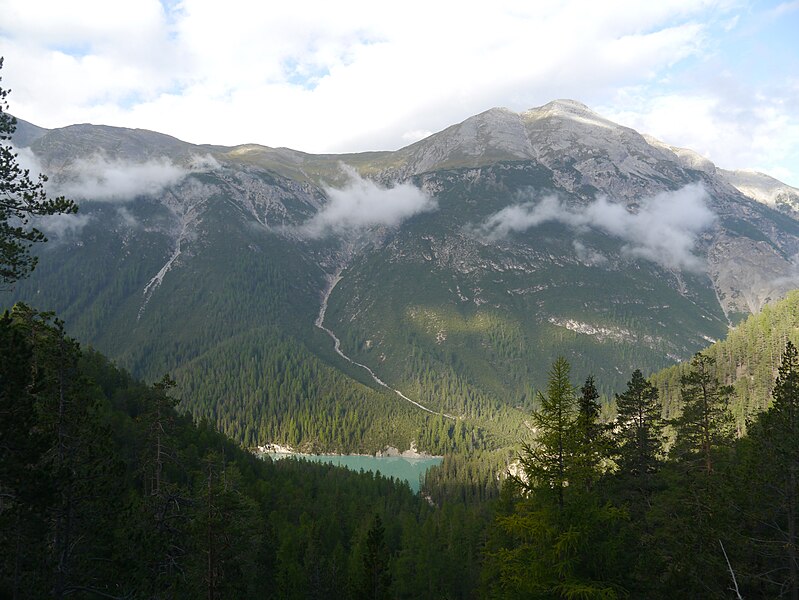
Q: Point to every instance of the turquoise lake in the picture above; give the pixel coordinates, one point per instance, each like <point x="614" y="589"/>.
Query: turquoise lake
<point x="398" y="467"/>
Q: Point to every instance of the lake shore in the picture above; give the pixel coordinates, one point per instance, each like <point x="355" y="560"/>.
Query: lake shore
<point x="387" y="452"/>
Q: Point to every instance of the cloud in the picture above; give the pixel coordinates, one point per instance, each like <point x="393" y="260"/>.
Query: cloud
<point x="588" y="255"/>
<point x="318" y="77"/>
<point x="127" y="218"/>
<point x="362" y="204"/>
<point x="663" y="230"/>
<point x="203" y="163"/>
<point x="28" y="160"/>
<point x="109" y="180"/>
<point x="59" y="227"/>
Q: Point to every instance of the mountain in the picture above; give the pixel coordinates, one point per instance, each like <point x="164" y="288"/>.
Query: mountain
<point x="452" y="271"/>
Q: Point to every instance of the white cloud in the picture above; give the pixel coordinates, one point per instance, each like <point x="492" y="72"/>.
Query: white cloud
<point x="203" y="163"/>
<point x="321" y="77"/>
<point x="99" y="178"/>
<point x="588" y="255"/>
<point x="59" y="227"/>
<point x="27" y="160"/>
<point x="362" y="204"/>
<point x="757" y="132"/>
<point x="103" y="179"/>
<point x="127" y="218"/>
<point x="663" y="230"/>
<point x="317" y="77"/>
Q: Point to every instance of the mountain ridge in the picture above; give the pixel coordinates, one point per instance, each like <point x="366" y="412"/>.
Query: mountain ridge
<point x="560" y="109"/>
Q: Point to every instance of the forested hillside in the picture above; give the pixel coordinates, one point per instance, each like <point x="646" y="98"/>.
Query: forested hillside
<point x="108" y="492"/>
<point x="748" y="359"/>
<point x="611" y="511"/>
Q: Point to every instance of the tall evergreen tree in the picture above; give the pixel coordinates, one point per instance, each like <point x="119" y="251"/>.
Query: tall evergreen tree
<point x="592" y="445"/>
<point x="23" y="488"/>
<point x="706" y="423"/>
<point x="588" y="411"/>
<point x="561" y="535"/>
<point x="548" y="461"/>
<point x="376" y="574"/>
<point x="165" y="508"/>
<point x="639" y="427"/>
<point x="691" y="513"/>
<point x="775" y="479"/>
<point x="75" y="459"/>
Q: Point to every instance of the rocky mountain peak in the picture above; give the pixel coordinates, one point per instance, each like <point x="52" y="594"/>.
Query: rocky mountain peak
<point x="565" y="108"/>
<point x="567" y="111"/>
<point x="491" y="136"/>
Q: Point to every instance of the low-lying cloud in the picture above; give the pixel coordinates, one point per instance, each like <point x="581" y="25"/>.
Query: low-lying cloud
<point x="362" y="204"/>
<point x="104" y="179"/>
<point x="663" y="230"/>
<point x="60" y="227"/>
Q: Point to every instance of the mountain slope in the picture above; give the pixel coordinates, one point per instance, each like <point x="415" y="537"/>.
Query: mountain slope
<point x="467" y="262"/>
<point x="748" y="359"/>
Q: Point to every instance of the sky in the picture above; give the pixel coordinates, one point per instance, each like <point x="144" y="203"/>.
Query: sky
<point x="719" y="77"/>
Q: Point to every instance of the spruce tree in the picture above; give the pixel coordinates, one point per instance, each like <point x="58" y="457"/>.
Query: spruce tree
<point x="706" y="423"/>
<point x="592" y="445"/>
<point x="561" y="535"/>
<point x="376" y="576"/>
<point x="639" y="427"/>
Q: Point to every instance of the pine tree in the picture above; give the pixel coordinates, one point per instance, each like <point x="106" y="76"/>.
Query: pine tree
<point x="81" y="472"/>
<point x="24" y="492"/>
<point x="639" y="427"/>
<point x="548" y="462"/>
<point x="165" y="507"/>
<point x="592" y="445"/>
<point x="775" y="437"/>
<point x="706" y="423"/>
<point x="376" y="576"/>
<point x="20" y="200"/>
<point x="588" y="411"/>
<point x="560" y="534"/>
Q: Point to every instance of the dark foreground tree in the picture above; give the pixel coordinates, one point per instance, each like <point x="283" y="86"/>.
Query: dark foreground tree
<point x="376" y="574"/>
<point x="592" y="442"/>
<point x="639" y="427"/>
<point x="772" y="481"/>
<point x="60" y="467"/>
<point x="561" y="538"/>
<point x="21" y="199"/>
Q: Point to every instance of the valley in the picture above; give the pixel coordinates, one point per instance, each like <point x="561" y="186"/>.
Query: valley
<point x="480" y="299"/>
<point x="463" y="265"/>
